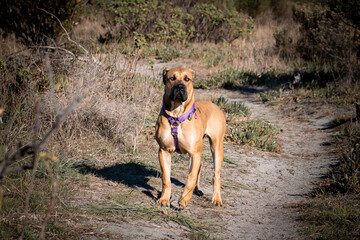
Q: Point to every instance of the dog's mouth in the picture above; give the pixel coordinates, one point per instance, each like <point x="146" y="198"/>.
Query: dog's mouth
<point x="178" y="92"/>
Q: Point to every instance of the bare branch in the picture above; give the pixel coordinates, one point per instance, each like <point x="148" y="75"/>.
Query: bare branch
<point x="70" y="40"/>
<point x="67" y="34"/>
<point x="56" y="48"/>
<point x="30" y="149"/>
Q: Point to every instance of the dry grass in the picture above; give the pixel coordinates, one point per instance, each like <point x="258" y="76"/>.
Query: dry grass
<point x="115" y="107"/>
<point x="258" y="52"/>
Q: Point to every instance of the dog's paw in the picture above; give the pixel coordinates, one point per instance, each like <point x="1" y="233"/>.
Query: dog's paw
<point x="164" y="202"/>
<point x="183" y="203"/>
<point x="217" y="201"/>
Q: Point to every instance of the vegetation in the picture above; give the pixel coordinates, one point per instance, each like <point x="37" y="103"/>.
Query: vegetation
<point x="334" y="213"/>
<point x="242" y="129"/>
<point x="177" y="21"/>
<point x="333" y="218"/>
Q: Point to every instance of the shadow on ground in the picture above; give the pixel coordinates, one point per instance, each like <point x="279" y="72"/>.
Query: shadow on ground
<point x="134" y="175"/>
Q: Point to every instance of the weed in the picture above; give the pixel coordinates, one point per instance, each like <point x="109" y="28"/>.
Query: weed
<point x="333" y="218"/>
<point x="346" y="176"/>
<point x="270" y="95"/>
<point x="256" y="132"/>
<point x="227" y="79"/>
<point x="14" y="199"/>
<point x="238" y="108"/>
<point x="221" y="102"/>
<point x="234" y="108"/>
<point x="340" y="120"/>
<point x="230" y="161"/>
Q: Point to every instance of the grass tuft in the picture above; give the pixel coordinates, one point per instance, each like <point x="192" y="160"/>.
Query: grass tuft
<point x="333" y="218"/>
<point x="234" y="108"/>
<point x="255" y="132"/>
<point x="241" y="129"/>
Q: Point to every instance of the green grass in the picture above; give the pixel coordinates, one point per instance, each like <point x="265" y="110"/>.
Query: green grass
<point x="270" y="95"/>
<point x="333" y="218"/>
<point x="242" y="129"/>
<point x="335" y="213"/>
<point x="226" y="79"/>
<point x="254" y="132"/>
<point x="234" y="108"/>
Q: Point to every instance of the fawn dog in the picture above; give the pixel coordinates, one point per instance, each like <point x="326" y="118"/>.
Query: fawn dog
<point x="181" y="127"/>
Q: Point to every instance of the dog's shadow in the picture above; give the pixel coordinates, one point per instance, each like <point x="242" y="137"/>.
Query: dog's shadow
<point x="132" y="174"/>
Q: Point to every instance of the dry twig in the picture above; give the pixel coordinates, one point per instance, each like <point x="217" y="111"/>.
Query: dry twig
<point x="70" y="40"/>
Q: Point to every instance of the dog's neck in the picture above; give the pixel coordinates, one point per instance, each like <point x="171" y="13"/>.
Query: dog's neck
<point x="178" y="108"/>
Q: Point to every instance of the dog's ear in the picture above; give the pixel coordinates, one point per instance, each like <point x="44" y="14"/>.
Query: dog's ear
<point x="193" y="73"/>
<point x="165" y="72"/>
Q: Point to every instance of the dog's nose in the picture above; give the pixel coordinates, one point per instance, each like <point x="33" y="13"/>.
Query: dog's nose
<point x="180" y="86"/>
<point x="178" y="91"/>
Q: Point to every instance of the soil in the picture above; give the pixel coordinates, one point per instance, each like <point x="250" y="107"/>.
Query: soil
<point x="261" y="191"/>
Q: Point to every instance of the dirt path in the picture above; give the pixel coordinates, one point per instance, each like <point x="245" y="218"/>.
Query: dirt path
<point x="276" y="182"/>
<point x="260" y="190"/>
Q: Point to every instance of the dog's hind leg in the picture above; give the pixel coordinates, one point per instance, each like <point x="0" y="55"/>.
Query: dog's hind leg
<point x="217" y="151"/>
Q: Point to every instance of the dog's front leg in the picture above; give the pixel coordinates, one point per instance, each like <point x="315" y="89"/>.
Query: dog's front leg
<point x="165" y="163"/>
<point x="191" y="181"/>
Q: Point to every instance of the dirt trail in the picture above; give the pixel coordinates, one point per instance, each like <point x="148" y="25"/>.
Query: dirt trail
<point x="260" y="190"/>
<point x="277" y="182"/>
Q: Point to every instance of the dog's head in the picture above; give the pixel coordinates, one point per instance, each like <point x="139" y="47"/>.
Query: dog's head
<point x="178" y="83"/>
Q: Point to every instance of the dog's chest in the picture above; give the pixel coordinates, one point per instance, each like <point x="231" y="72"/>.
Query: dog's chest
<point x="185" y="138"/>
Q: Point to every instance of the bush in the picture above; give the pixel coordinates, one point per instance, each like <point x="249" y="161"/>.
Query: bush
<point x="327" y="38"/>
<point x="177" y="21"/>
<point x="29" y="23"/>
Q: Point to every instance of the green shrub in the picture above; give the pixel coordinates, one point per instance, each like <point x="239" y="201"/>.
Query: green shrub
<point x="177" y="21"/>
<point x="30" y="24"/>
<point x="329" y="38"/>
<point x="221" y="102"/>
<point x="227" y="78"/>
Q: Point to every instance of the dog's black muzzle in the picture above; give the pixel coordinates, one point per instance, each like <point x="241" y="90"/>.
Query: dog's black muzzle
<point x="178" y="91"/>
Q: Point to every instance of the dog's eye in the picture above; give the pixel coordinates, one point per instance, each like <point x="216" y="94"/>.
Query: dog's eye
<point x="172" y="78"/>
<point x="187" y="79"/>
